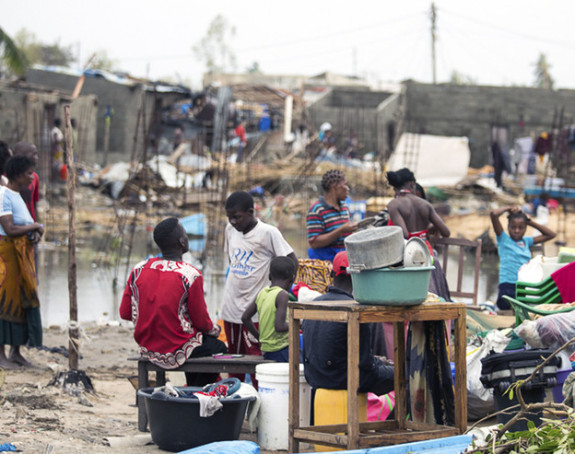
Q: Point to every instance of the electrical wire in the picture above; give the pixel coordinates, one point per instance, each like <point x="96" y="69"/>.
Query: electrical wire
<point x="478" y="53"/>
<point x="306" y="40"/>
<point x="510" y="31"/>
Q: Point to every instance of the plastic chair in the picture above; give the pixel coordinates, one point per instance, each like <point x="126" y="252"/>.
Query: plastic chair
<point x="535" y="288"/>
<point x="550" y="296"/>
<point x="523" y="310"/>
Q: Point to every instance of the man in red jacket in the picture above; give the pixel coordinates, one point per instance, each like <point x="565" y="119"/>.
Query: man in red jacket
<point x="164" y="297"/>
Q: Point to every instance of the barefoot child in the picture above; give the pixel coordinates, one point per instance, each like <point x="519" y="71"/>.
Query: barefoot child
<point x="514" y="248"/>
<point x="271" y="306"/>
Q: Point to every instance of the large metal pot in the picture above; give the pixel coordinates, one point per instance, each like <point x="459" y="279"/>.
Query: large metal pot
<point x="375" y="248"/>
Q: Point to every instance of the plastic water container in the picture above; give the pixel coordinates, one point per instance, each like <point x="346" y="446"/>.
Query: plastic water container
<point x="273" y="389"/>
<point x="558" y="389"/>
<point x="330" y="407"/>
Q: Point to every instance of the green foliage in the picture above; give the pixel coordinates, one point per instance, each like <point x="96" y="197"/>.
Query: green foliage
<point x="11" y="56"/>
<point x="103" y="61"/>
<point x="543" y="77"/>
<point x="254" y="68"/>
<point x="458" y="78"/>
<point x="552" y="436"/>
<point x="213" y="49"/>
<point x="40" y="53"/>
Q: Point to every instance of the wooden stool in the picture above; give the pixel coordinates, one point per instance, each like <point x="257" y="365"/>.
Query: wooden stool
<point x="330" y="407"/>
<point x="355" y="434"/>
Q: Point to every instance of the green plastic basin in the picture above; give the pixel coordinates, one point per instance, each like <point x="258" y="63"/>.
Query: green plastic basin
<point x="404" y="286"/>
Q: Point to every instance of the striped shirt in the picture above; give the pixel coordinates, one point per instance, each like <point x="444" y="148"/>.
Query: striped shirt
<point x="323" y="218"/>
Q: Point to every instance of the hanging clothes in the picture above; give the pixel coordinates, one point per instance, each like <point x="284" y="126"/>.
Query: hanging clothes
<point x="498" y="163"/>
<point x="544" y="144"/>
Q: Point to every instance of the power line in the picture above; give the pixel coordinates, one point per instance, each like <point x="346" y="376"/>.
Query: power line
<point x="287" y="43"/>
<point x="462" y="39"/>
<point x="334" y="34"/>
<point x="511" y="32"/>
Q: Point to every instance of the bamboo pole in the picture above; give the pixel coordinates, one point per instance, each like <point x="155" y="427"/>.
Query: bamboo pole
<point x="72" y="284"/>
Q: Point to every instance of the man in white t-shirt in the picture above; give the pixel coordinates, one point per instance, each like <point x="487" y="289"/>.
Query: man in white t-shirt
<point x="250" y="244"/>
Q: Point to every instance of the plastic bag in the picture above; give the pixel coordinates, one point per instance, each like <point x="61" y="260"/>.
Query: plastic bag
<point x="557" y="329"/>
<point x="480" y="399"/>
<point x="532" y="271"/>
<point x="528" y="332"/>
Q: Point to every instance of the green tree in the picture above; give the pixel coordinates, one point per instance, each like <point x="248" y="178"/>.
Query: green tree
<point x="254" y="68"/>
<point x="458" y="78"/>
<point x="11" y="56"/>
<point x="543" y="77"/>
<point x="213" y="49"/>
<point x="103" y="61"/>
<point x="40" y="53"/>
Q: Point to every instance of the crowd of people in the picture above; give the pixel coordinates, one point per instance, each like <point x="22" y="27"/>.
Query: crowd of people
<point x="164" y="295"/>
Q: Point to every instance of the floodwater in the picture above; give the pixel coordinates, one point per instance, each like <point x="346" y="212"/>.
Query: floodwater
<point x="100" y="282"/>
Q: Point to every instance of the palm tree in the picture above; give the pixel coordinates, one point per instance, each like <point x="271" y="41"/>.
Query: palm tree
<point x="11" y="55"/>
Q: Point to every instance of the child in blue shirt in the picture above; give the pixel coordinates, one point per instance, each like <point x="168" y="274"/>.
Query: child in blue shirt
<point x="271" y="306"/>
<point x="514" y="248"/>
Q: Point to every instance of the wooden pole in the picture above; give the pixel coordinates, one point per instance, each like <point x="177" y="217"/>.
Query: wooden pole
<point x="72" y="286"/>
<point x="106" y="139"/>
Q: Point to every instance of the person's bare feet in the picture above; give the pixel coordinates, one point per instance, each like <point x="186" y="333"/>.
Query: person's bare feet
<point x="6" y="364"/>
<point x="16" y="357"/>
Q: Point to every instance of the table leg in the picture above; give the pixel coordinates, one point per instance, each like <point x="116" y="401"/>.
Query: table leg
<point x="293" y="419"/>
<point x="142" y="383"/>
<point x="352" y="380"/>
<point x="399" y="381"/>
<point x="460" y="371"/>
<point x="161" y="378"/>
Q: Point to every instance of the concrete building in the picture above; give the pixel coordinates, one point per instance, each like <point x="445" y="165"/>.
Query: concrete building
<point x="27" y="113"/>
<point x="125" y="109"/>
<point x="374" y="116"/>
<point x="482" y="113"/>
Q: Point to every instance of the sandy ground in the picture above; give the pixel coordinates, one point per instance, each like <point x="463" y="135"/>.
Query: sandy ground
<point x="38" y="417"/>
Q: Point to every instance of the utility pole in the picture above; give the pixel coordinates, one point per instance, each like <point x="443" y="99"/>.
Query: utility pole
<point x="433" y="36"/>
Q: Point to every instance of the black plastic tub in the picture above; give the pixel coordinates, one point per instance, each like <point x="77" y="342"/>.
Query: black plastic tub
<point x="176" y="425"/>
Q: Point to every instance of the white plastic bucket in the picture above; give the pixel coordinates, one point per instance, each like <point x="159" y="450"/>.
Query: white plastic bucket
<point x="273" y="389"/>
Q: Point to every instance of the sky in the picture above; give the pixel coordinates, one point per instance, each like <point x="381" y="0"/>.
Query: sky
<point x="491" y="42"/>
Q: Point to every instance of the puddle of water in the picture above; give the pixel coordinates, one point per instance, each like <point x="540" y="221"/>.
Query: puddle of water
<point x="98" y="300"/>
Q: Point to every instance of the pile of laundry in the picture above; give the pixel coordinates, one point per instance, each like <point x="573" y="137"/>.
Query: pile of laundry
<point x="210" y="396"/>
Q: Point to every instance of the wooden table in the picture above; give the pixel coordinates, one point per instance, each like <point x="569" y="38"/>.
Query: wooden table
<point x="355" y="434"/>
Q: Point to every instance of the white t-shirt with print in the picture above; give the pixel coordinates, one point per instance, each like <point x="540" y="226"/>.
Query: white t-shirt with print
<point x="249" y="257"/>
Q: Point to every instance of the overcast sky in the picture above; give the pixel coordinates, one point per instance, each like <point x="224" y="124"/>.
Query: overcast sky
<point x="493" y="42"/>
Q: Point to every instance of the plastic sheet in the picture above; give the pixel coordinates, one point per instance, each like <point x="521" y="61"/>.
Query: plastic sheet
<point x="555" y="330"/>
<point x="223" y="447"/>
<point x="480" y="399"/>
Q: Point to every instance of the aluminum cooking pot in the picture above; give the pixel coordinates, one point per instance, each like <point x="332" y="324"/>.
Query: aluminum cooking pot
<point x="375" y="248"/>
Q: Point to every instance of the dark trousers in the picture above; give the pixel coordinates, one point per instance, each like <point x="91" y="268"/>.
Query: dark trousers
<point x="209" y="347"/>
<point x="505" y="289"/>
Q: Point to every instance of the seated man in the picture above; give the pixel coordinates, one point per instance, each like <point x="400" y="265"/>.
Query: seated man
<point x="164" y="297"/>
<point x="325" y="345"/>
